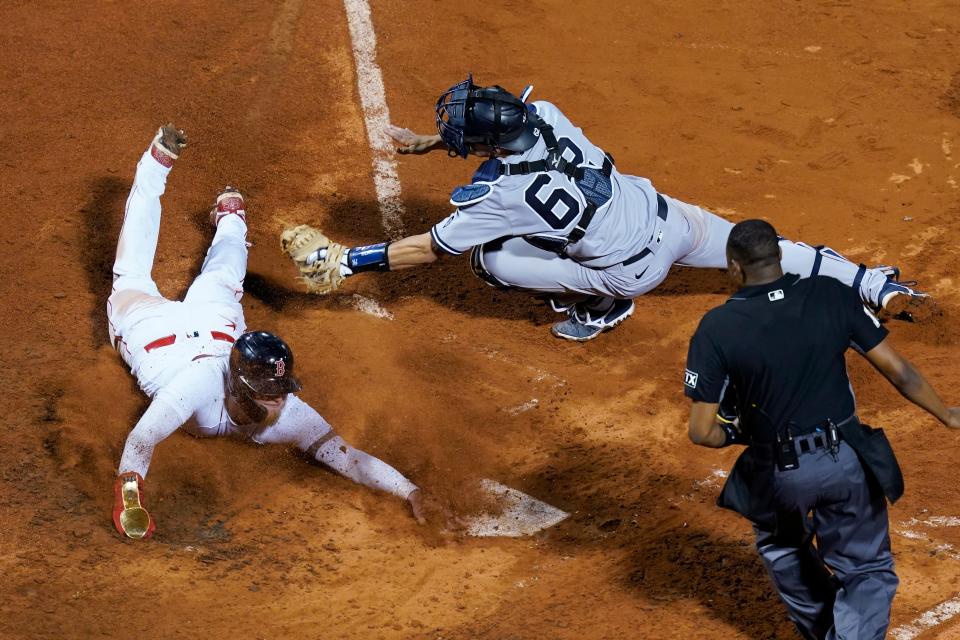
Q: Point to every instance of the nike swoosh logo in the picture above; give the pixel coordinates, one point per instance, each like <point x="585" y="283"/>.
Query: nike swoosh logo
<point x="640" y="275"/>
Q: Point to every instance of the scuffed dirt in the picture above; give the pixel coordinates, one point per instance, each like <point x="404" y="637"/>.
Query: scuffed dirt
<point x="836" y="121"/>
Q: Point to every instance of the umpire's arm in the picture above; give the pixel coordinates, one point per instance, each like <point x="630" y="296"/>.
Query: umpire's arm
<point x="911" y="383"/>
<point x="705" y="380"/>
<point x="705" y="428"/>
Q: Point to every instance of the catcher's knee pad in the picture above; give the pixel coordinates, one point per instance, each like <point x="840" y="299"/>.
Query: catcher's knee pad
<point x="480" y="270"/>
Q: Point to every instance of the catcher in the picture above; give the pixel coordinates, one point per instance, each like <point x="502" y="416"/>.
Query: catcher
<point x="550" y="213"/>
<point x="193" y="359"/>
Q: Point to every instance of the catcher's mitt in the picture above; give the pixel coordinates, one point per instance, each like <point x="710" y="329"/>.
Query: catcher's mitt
<point x="324" y="275"/>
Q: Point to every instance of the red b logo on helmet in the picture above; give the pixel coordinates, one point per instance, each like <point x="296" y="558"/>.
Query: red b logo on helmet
<point x="281" y="368"/>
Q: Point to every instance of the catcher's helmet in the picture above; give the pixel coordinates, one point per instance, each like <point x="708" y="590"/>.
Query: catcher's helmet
<point x="262" y="364"/>
<point x="468" y="114"/>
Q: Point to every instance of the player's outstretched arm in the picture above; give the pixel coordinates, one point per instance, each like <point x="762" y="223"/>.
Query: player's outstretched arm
<point x="324" y="264"/>
<point x="412" y="251"/>
<point x="911" y="383"/>
<point x="415" y="143"/>
<point x="370" y="471"/>
<point x="302" y="426"/>
<point x="130" y="517"/>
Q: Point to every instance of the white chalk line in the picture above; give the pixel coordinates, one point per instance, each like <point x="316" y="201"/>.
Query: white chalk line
<point x="933" y="521"/>
<point x="908" y="529"/>
<point x="946" y="610"/>
<point x="945" y="548"/>
<point x="370" y="307"/>
<point x="928" y="620"/>
<point x="375" y="115"/>
<point x="713" y="480"/>
<point x="539" y="374"/>
<point x="539" y="377"/>
<point x="533" y="403"/>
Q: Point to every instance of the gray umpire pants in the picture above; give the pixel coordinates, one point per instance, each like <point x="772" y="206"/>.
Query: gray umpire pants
<point x="849" y="521"/>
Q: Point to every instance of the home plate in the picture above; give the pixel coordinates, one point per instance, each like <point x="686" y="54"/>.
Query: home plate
<point x="522" y="515"/>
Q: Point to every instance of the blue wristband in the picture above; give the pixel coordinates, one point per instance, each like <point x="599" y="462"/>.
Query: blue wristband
<point x="372" y="257"/>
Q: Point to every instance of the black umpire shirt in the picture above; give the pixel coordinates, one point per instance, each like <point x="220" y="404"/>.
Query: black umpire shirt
<point x="781" y="345"/>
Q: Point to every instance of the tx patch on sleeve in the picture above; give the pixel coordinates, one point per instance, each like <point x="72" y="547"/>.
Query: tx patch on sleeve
<point x="690" y="378"/>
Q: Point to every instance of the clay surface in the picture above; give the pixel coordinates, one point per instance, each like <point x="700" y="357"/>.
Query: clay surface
<point x="837" y="121"/>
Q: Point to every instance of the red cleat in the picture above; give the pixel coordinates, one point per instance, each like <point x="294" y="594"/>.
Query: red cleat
<point x="229" y="202"/>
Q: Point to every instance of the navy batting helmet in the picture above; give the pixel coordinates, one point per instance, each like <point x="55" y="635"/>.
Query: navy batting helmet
<point x="262" y="364"/>
<point x="468" y="114"/>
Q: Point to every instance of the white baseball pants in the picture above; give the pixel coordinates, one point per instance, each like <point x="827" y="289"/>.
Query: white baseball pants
<point x="156" y="336"/>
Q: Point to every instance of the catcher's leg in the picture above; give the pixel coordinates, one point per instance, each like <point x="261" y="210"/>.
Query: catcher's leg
<point x="223" y="271"/>
<point x="878" y="287"/>
<point x="585" y="294"/>
<point x="133" y="285"/>
<point x="708" y="232"/>
<point x="517" y="264"/>
<point x="561" y="302"/>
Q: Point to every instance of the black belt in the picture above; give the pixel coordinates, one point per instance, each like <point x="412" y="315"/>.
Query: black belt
<point x="810" y="442"/>
<point x="662" y="214"/>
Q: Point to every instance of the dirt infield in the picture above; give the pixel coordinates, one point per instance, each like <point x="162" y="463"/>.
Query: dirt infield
<point x="837" y="121"/>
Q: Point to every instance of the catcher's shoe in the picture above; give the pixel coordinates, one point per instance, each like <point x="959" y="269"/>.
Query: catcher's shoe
<point x="229" y="202"/>
<point x="584" y="324"/>
<point x="168" y="144"/>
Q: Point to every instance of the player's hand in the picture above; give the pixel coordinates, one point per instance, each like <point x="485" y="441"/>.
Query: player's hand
<point x="953" y="418"/>
<point x="173" y="139"/>
<point x="411" y="142"/>
<point x="415" y="500"/>
<point x="129" y="516"/>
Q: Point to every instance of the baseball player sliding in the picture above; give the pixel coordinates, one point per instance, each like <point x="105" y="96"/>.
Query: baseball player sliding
<point x="194" y="360"/>
<point x="549" y="212"/>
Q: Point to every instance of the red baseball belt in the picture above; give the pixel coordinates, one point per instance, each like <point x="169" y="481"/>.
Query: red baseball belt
<point x="166" y="341"/>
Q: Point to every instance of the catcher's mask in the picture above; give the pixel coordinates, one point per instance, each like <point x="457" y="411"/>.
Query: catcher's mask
<point x="261" y="375"/>
<point x="492" y="116"/>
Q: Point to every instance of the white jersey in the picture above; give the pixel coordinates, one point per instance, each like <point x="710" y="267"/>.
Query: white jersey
<point x="550" y="203"/>
<point x="195" y="401"/>
<point x="197" y="396"/>
<point x="179" y="351"/>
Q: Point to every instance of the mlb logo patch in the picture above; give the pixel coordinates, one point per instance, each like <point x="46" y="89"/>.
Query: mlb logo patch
<point x="690" y="378"/>
<point x="775" y="295"/>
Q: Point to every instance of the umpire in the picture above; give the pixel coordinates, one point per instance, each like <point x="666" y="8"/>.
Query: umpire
<point x="810" y="468"/>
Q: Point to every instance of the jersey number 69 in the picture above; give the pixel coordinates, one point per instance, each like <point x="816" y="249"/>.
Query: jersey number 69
<point x="545" y="208"/>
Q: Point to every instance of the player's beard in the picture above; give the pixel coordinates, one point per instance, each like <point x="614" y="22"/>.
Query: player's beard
<point x="253" y="412"/>
<point x="270" y="413"/>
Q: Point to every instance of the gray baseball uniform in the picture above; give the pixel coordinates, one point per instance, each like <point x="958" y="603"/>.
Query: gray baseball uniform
<point x="634" y="238"/>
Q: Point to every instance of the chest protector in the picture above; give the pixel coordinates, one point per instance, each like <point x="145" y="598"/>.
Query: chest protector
<point x="593" y="183"/>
